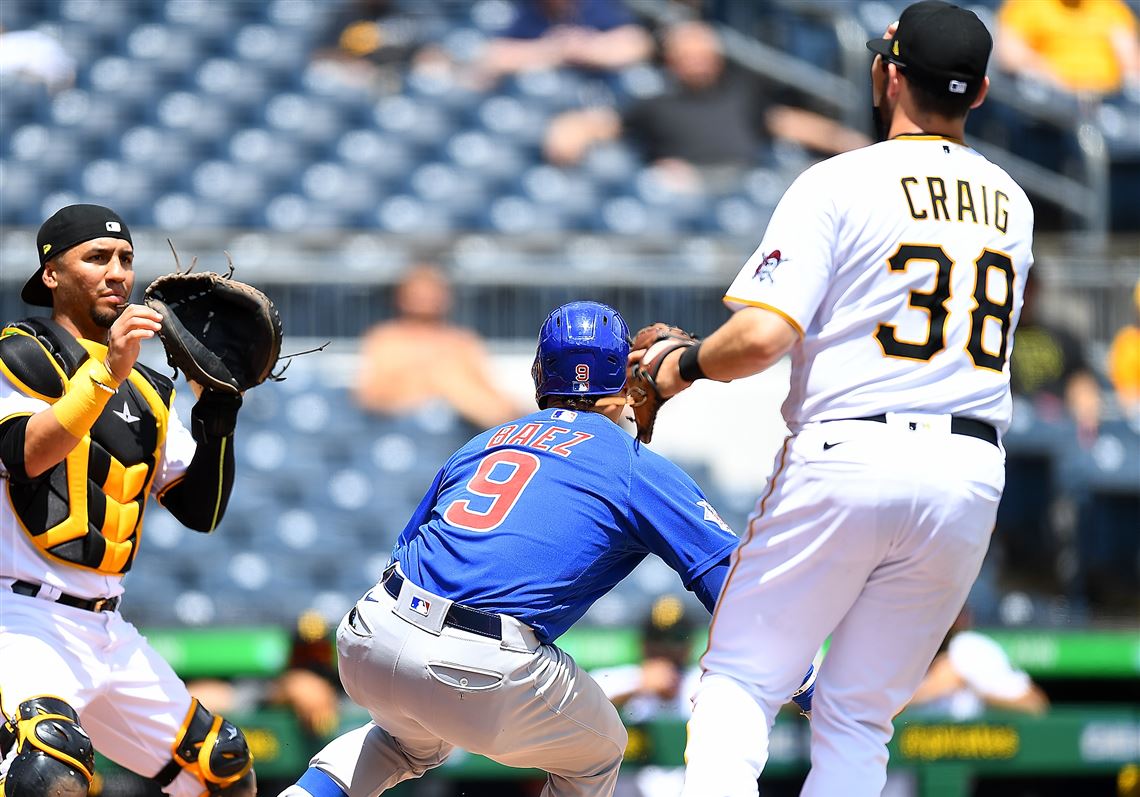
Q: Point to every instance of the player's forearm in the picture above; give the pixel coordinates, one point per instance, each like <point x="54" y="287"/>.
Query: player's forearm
<point x="199" y="499"/>
<point x="43" y="442"/>
<point x="748" y="343"/>
<point x="707" y="586"/>
<point x="51" y="434"/>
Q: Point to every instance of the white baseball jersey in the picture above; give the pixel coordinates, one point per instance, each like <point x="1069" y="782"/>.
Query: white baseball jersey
<point x="903" y="266"/>
<point x="21" y="560"/>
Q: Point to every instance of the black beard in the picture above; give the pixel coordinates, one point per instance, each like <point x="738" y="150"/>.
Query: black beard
<point x="105" y="318"/>
<point x="881" y="122"/>
<point x="878" y="124"/>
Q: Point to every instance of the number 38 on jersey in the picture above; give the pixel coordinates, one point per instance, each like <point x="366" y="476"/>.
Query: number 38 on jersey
<point x="989" y="316"/>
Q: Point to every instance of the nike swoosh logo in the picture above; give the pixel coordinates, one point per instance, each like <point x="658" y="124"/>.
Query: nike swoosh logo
<point x="829" y="446"/>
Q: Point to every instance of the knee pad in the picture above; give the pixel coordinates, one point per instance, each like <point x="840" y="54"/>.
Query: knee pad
<point x="214" y="751"/>
<point x="54" y="755"/>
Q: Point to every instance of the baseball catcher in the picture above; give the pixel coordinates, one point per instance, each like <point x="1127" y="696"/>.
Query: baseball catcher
<point x="89" y="441"/>
<point x="221" y="333"/>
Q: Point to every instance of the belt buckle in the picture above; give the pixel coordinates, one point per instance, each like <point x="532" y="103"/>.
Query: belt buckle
<point x="100" y="604"/>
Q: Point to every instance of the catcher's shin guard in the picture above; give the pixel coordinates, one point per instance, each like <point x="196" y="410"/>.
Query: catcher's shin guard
<point x="54" y="755"/>
<point x="214" y="751"/>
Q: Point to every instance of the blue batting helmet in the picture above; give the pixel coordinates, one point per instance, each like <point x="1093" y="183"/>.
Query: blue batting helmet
<point x="582" y="348"/>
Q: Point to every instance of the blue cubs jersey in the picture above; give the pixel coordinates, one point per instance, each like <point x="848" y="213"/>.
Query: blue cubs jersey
<point x="540" y="517"/>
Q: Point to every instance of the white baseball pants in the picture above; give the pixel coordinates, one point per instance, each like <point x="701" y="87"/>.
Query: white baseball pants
<point x="430" y="688"/>
<point x="129" y="700"/>
<point x="873" y="540"/>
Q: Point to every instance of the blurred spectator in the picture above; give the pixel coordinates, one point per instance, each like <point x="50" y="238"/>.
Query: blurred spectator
<point x="712" y="116"/>
<point x="419" y="357"/>
<point x="971" y="673"/>
<point x="370" y="43"/>
<point x="310" y="685"/>
<point x="1124" y="363"/>
<point x="663" y="682"/>
<point x="660" y="686"/>
<point x="597" y="35"/>
<point x="1077" y="45"/>
<point x="1048" y="367"/>
<point x="37" y="57"/>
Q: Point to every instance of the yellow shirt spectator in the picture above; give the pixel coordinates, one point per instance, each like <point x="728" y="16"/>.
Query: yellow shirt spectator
<point x="1124" y="361"/>
<point x="1082" y="45"/>
<point x="1124" y="364"/>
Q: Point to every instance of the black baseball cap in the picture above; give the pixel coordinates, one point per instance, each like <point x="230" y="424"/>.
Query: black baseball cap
<point x="68" y="227"/>
<point x="940" y="46"/>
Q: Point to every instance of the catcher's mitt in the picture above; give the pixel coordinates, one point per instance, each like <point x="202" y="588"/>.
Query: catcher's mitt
<point x="641" y="379"/>
<point x="221" y="333"/>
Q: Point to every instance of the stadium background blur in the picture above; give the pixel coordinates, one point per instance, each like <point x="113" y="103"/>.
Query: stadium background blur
<point x="328" y="158"/>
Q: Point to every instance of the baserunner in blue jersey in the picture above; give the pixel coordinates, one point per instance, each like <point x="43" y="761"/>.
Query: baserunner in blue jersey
<point x="523" y="529"/>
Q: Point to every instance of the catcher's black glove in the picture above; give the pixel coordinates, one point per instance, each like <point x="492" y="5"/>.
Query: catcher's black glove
<point x="657" y="340"/>
<point x="223" y="334"/>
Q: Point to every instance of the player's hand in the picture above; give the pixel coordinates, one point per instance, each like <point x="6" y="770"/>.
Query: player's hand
<point x="137" y="323"/>
<point x="669" y="381"/>
<point x="660" y="677"/>
<point x="878" y="68"/>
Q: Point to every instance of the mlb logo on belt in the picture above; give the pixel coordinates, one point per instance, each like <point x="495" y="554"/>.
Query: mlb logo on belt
<point x="420" y="606"/>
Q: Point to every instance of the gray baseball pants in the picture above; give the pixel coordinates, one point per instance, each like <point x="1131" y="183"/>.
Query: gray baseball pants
<point x="430" y="688"/>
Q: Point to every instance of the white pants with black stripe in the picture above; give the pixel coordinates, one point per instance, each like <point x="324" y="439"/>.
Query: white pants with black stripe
<point x="431" y="688"/>
<point x="871" y="534"/>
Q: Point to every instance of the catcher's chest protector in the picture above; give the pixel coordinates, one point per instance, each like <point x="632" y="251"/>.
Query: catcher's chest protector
<point x="87" y="510"/>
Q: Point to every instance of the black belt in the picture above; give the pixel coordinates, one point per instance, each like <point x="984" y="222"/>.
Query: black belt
<point x="966" y="426"/>
<point x="475" y="621"/>
<point x="91" y="605"/>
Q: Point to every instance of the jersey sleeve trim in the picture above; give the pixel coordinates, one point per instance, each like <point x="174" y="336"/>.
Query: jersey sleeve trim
<point x="730" y="300"/>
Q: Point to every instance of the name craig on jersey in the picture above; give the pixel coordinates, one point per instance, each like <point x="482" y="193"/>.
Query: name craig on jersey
<point x="940" y="199"/>
<point x="529" y="435"/>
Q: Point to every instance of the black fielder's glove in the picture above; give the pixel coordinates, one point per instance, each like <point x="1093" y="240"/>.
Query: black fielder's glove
<point x="221" y="333"/>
